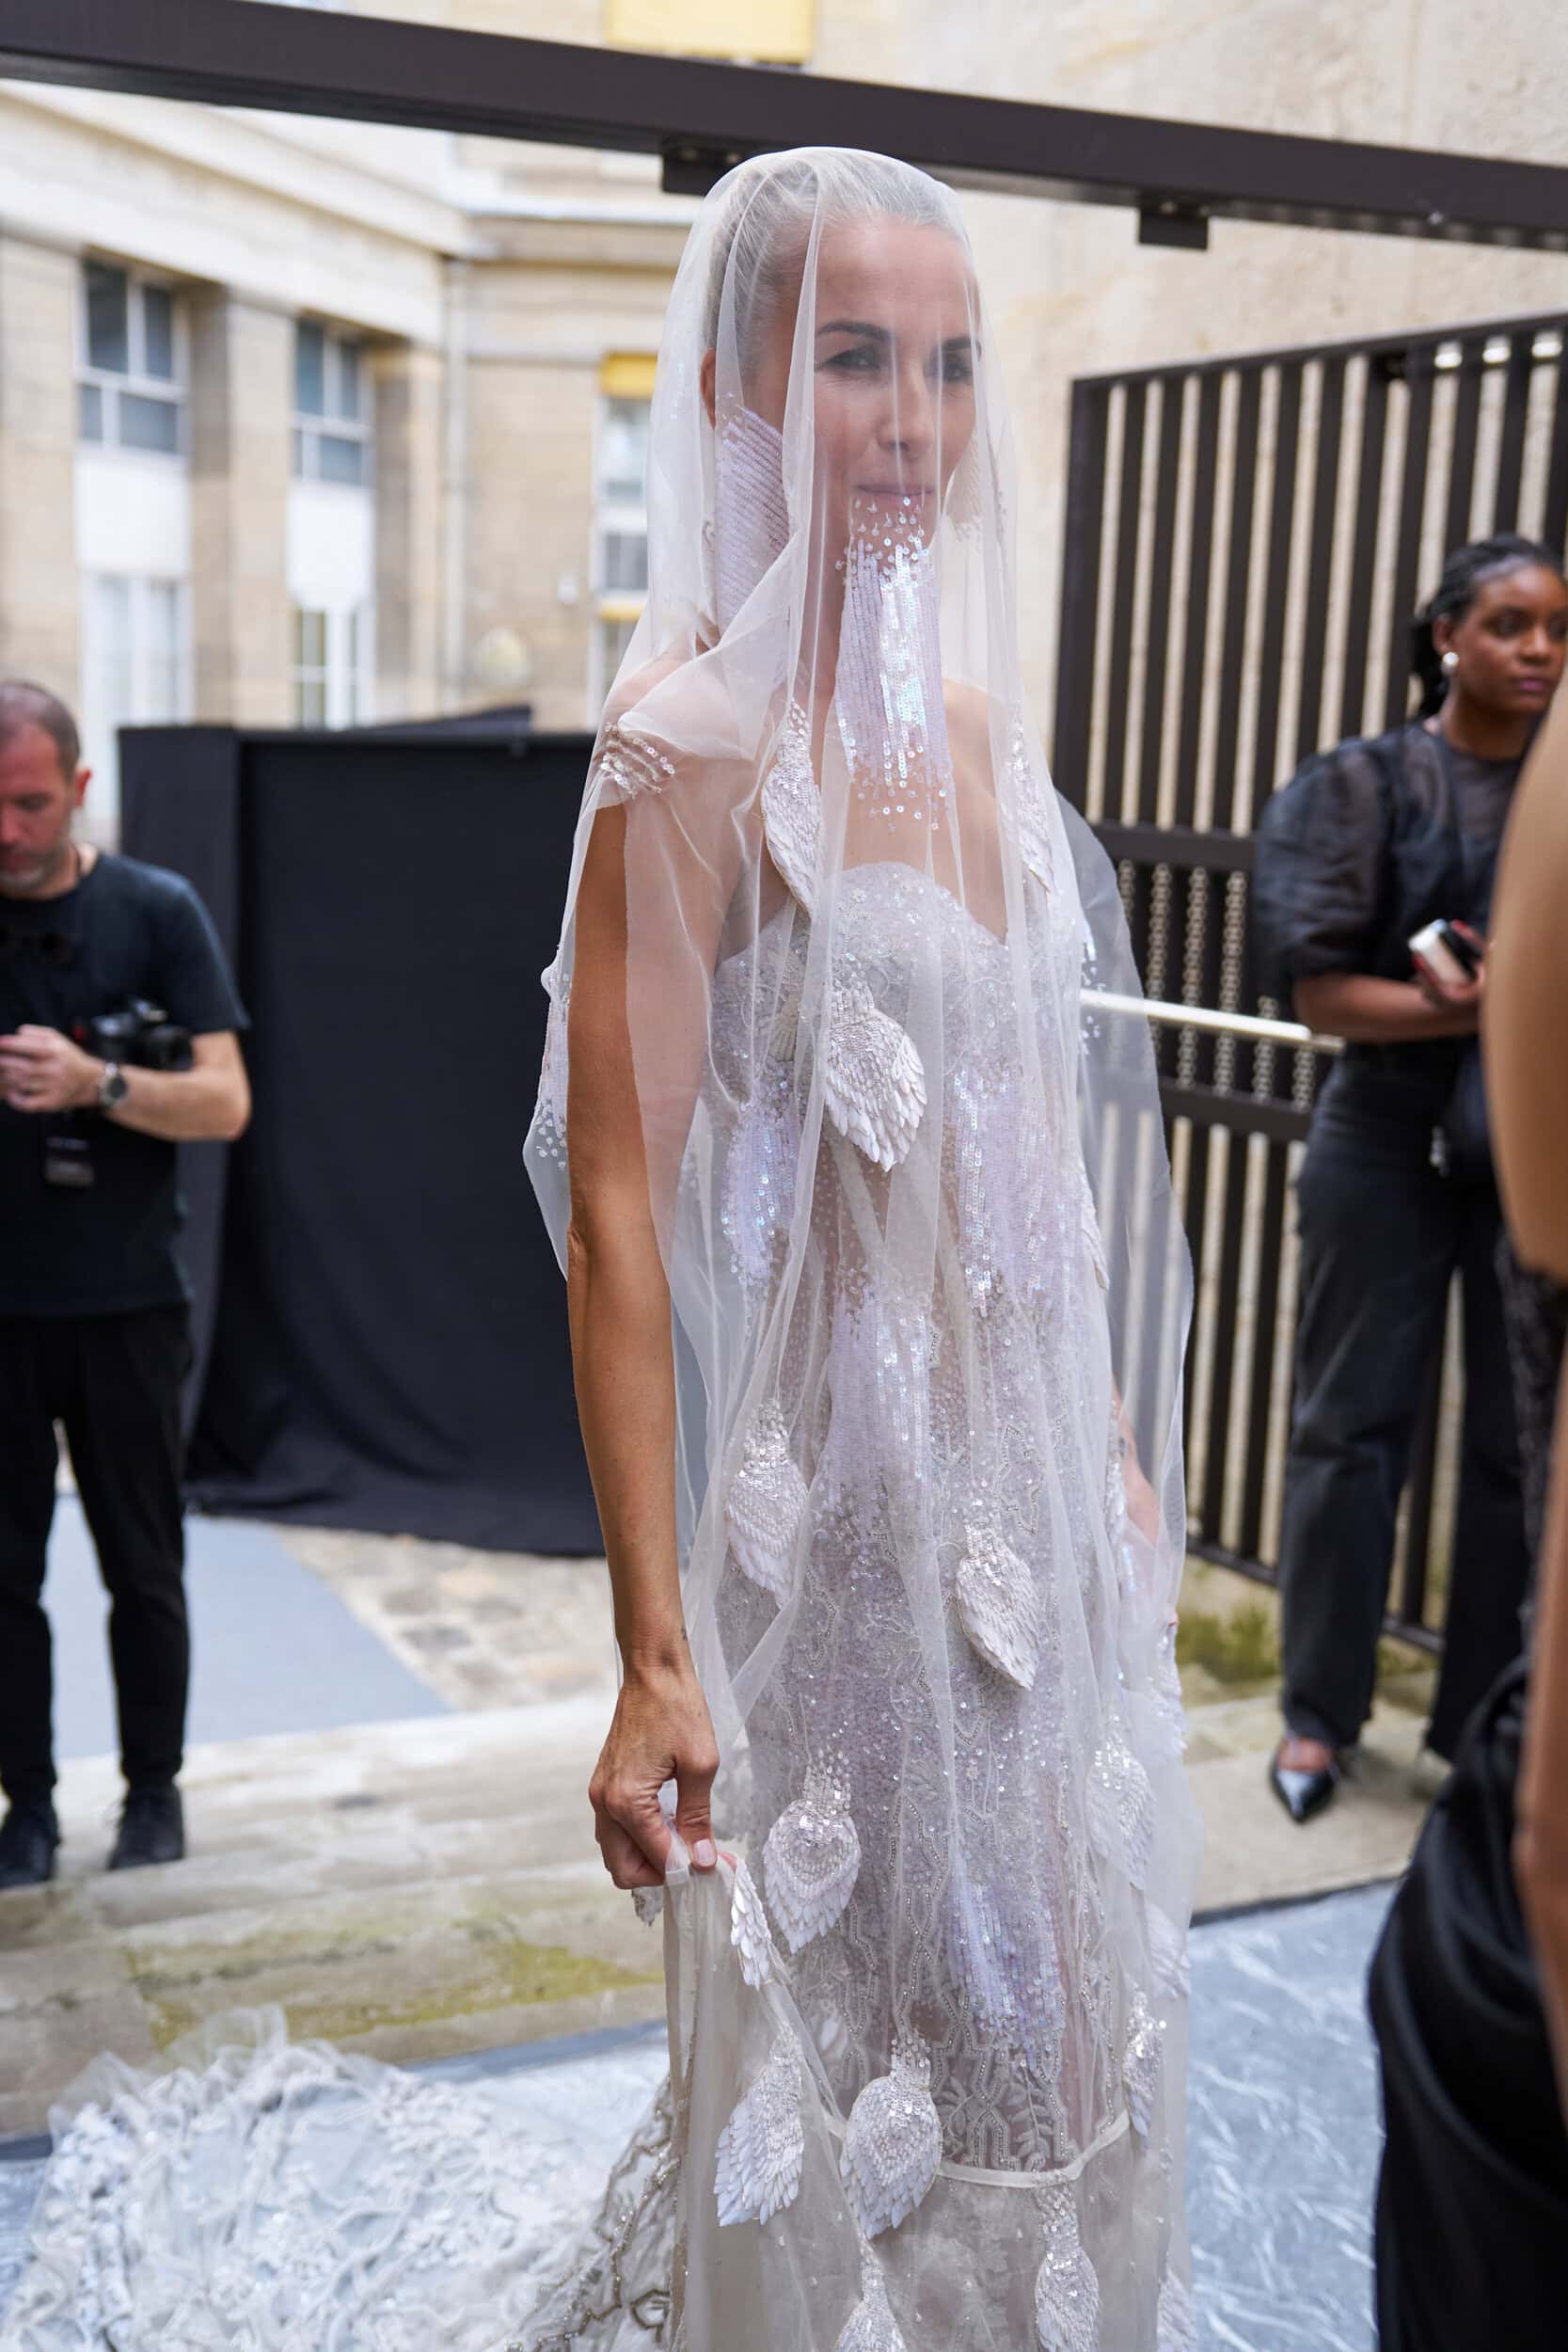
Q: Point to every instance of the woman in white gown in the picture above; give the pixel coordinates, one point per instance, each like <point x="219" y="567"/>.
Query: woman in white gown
<point x="877" y="1302"/>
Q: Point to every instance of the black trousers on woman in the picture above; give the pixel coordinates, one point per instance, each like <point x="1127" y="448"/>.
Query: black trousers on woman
<point x="1382" y="1235"/>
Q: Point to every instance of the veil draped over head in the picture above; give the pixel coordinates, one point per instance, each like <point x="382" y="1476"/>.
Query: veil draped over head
<point x="928" y="1297"/>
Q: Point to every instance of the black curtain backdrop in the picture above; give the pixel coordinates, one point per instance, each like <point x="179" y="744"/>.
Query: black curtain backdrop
<point x="382" y="1320"/>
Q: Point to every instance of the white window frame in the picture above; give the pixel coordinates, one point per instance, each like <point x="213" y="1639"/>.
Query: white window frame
<point x="619" y="518"/>
<point x="347" y="675"/>
<point x="309" y="430"/>
<point x="170" y="392"/>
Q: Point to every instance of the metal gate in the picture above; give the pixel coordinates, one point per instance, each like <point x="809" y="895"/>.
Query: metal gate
<point x="1246" y="541"/>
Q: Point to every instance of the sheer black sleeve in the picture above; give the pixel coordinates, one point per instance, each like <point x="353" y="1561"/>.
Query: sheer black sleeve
<point x="1318" y="883"/>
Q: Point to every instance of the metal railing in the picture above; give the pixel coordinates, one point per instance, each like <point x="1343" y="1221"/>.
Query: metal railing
<point x="1240" y="1353"/>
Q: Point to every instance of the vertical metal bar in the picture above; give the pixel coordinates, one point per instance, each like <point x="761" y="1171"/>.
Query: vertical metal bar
<point x="1271" y="1254"/>
<point x="1201" y="556"/>
<point x="1128" y="518"/>
<point x="1082" y="527"/>
<point x="1369" y="508"/>
<point x="1326" y="503"/>
<point x="1195" y="1211"/>
<point x="1462" y="456"/>
<point x="1511" y="441"/>
<point x="1157" y="629"/>
<point x="1244" y="486"/>
<point x="1418" y="377"/>
<point x="1554" y="521"/>
<point x="1224" y="1335"/>
<point x="1276" y="587"/>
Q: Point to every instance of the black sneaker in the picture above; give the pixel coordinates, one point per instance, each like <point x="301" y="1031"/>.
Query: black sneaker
<point x="152" y="1829"/>
<point x="28" y="1836"/>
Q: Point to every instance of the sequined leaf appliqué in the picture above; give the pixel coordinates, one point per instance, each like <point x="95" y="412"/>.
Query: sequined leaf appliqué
<point x="811" y="1860"/>
<point x="892" y="2142"/>
<point x="766" y="1505"/>
<point x="999" y="1607"/>
<point x="1167" y="1952"/>
<point x="1121" y="1808"/>
<point x="749" y="1932"/>
<point x="1178" y="2321"/>
<point x="871" y="2326"/>
<point x="791" y="810"/>
<point x="762" y="2147"/>
<point x="1067" y="2292"/>
<point x="874" y="1081"/>
<point x="1140" y="2065"/>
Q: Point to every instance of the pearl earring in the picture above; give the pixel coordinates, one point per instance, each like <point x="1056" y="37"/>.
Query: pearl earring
<point x="1451" y="660"/>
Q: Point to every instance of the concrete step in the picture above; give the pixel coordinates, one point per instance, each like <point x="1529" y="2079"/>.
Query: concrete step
<point x="427" y="1888"/>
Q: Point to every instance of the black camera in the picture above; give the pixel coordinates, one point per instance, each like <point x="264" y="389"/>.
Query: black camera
<point x="139" y="1033"/>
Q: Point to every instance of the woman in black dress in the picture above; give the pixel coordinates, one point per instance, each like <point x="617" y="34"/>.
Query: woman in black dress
<point x="1369" y="844"/>
<point x="1472" y="2212"/>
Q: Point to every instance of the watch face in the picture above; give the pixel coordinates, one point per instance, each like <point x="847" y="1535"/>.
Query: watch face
<point x="116" y="1087"/>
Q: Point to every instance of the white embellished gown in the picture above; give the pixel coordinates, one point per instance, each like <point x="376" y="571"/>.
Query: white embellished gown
<point x="928" y="2034"/>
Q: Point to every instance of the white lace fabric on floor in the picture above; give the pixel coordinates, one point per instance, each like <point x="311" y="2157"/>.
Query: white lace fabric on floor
<point x="928" y="1284"/>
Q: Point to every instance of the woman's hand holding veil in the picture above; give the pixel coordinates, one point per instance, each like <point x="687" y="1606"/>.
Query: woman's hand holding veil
<point x="660" y="1732"/>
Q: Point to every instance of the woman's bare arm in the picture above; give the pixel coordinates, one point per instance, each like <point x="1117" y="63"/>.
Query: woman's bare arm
<point x="1527" y="1085"/>
<point x="618" y="1304"/>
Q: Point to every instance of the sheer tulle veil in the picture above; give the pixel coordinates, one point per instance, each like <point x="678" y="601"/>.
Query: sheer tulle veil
<point x="929" y="1294"/>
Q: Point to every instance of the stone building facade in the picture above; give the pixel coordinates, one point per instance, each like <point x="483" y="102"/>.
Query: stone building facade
<point x="312" y="421"/>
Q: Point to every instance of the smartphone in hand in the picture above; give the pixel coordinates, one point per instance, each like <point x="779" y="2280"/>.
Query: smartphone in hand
<point x="1450" y="952"/>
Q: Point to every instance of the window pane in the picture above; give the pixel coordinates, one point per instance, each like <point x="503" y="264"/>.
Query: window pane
<point x="624" y="452"/>
<point x="107" y="650"/>
<point x="89" y="412"/>
<point x="340" y="460"/>
<point x="161" y="698"/>
<point x="347" y="404"/>
<point x="157" y="317"/>
<point x="310" y="703"/>
<point x="146" y="423"/>
<point x="309" y="640"/>
<point x="616" y="637"/>
<point x="309" y="369"/>
<point x="625" y="563"/>
<point x="109" y="318"/>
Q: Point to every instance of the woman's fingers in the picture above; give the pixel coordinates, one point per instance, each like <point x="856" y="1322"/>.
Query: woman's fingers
<point x="625" y="1859"/>
<point x="694" y="1792"/>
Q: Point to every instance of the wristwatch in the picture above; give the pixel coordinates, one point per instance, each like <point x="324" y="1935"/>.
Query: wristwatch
<point x="112" y="1087"/>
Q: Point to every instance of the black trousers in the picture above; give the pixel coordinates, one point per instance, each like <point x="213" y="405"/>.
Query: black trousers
<point x="114" y="1382"/>
<point x="1382" y="1235"/>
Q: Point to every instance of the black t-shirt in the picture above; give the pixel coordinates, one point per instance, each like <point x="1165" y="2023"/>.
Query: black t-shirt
<point x="125" y="931"/>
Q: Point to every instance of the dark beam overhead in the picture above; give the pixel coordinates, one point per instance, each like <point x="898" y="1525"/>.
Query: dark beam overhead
<point x="700" y="117"/>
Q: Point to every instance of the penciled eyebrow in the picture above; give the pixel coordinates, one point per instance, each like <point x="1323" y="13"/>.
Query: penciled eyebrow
<point x="884" y="334"/>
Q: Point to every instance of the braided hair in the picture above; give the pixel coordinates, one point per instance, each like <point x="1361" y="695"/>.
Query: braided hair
<point x="1462" y="574"/>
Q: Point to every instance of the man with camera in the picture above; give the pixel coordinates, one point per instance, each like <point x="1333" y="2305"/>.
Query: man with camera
<point x="118" y="1042"/>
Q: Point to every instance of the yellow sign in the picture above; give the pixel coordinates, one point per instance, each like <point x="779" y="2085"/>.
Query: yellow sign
<point x="775" y="32"/>
<point x="626" y="375"/>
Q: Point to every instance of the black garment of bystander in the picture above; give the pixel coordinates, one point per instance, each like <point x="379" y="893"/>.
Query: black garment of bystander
<point x="1472" y="2208"/>
<point x="125" y="931"/>
<point x="94" y="1322"/>
<point x="113" y="1381"/>
<point x="1365" y="845"/>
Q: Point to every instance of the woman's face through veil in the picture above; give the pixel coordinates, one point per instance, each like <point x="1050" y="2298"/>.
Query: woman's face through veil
<point x="893" y="376"/>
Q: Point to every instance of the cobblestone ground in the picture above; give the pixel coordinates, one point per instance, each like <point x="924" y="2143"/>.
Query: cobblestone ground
<point x="483" y="1629"/>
